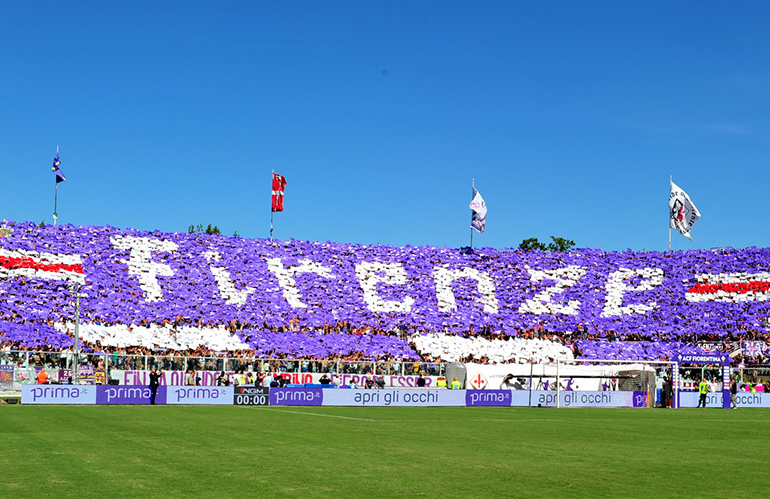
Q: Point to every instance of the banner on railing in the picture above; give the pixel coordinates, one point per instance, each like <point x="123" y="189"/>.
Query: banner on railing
<point x="6" y="377"/>
<point x="754" y="348"/>
<point x="209" y="378"/>
<point x="86" y="373"/>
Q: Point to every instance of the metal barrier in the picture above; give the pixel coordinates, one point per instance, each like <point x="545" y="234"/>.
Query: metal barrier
<point x="25" y="363"/>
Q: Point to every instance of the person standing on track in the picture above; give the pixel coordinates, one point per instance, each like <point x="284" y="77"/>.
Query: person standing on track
<point x="734" y="394"/>
<point x="154" y="382"/>
<point x="703" y="390"/>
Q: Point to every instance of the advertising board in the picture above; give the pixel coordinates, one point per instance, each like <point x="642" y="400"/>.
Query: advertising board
<point x="298" y="396"/>
<point x="714" y="399"/>
<point x="367" y="398"/>
<point x="590" y="399"/>
<point x="58" y="394"/>
<point x="199" y="395"/>
<point x="129" y="395"/>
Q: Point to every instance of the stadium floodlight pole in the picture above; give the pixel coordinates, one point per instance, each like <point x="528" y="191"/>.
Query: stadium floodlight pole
<point x="670" y="179"/>
<point x="76" y="367"/>
<point x="55" y="195"/>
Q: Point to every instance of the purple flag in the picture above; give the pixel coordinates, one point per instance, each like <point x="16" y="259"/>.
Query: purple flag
<point x="59" y="175"/>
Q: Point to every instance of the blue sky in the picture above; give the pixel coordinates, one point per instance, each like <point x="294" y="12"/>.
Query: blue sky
<point x="570" y="116"/>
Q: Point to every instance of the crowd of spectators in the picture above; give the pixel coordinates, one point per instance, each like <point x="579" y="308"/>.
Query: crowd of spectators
<point x="206" y="296"/>
<point x="535" y="345"/>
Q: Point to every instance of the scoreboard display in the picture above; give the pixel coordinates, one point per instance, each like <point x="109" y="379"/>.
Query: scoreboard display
<point x="251" y="395"/>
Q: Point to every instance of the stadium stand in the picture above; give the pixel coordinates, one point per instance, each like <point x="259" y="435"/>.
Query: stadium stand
<point x="198" y="294"/>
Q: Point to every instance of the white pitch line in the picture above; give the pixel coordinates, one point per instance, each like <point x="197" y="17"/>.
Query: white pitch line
<point x="316" y="414"/>
<point x="564" y="420"/>
<point x="445" y="420"/>
<point x="511" y="420"/>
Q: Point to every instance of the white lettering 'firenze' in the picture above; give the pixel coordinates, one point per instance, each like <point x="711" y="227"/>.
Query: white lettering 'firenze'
<point x="370" y="273"/>
<point x="565" y="277"/>
<point x="618" y="284"/>
<point x="444" y="277"/>
<point x="225" y="284"/>
<point x="286" y="275"/>
<point x="139" y="263"/>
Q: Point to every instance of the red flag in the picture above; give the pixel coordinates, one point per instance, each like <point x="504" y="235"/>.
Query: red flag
<point x="279" y="186"/>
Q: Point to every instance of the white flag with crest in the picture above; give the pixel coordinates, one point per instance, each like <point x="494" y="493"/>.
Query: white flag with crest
<point x="479" y="215"/>
<point x="683" y="213"/>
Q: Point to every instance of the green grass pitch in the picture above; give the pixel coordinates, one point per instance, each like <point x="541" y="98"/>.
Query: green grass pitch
<point x="275" y="452"/>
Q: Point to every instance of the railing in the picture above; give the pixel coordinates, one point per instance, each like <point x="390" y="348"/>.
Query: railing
<point x="111" y="362"/>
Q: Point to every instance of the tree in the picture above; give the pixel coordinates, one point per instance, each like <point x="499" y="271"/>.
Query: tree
<point x="559" y="244"/>
<point x="532" y="244"/>
<point x="200" y="230"/>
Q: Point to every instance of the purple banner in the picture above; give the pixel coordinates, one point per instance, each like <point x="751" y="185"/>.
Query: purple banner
<point x="753" y="348"/>
<point x="488" y="398"/>
<point x="391" y="381"/>
<point x="641" y="399"/>
<point x="129" y="395"/>
<point x="296" y="396"/>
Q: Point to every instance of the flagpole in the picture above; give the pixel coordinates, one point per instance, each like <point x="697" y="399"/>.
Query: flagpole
<point x="55" y="201"/>
<point x="670" y="179"/>
<point x="56" y="195"/>
<point x="473" y="185"/>
<point x="271" y="206"/>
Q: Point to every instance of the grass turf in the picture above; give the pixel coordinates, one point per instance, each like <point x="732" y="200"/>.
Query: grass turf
<point x="234" y="451"/>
